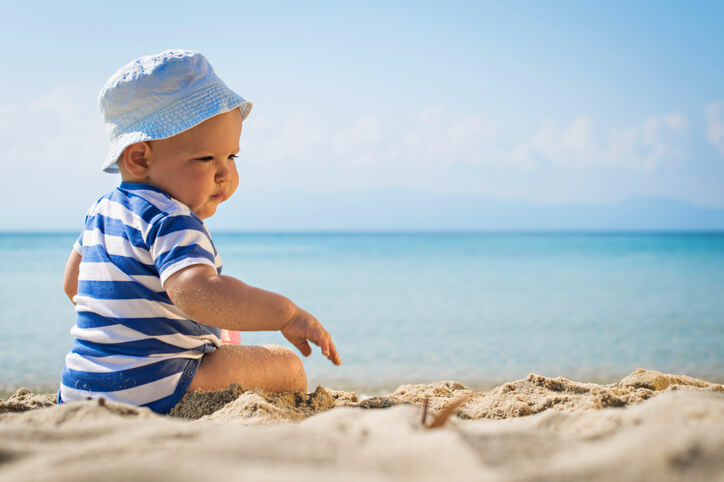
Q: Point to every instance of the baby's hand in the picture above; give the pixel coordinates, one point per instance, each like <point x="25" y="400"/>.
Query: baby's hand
<point x="303" y="327"/>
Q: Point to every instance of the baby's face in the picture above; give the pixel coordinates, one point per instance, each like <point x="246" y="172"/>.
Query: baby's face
<point x="197" y="167"/>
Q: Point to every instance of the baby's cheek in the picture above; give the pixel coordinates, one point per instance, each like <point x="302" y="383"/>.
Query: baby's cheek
<point x="233" y="181"/>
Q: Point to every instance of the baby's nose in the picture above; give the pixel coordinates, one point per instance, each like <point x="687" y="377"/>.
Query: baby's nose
<point x="223" y="171"/>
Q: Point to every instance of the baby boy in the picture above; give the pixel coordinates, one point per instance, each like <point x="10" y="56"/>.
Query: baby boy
<point x="144" y="274"/>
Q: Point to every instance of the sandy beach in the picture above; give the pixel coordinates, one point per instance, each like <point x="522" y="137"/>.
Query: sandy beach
<point x="648" y="426"/>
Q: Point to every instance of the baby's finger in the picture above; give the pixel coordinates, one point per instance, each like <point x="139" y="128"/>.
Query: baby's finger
<point x="303" y="347"/>
<point x="328" y="347"/>
<point x="320" y="338"/>
<point x="324" y="345"/>
<point x="329" y="350"/>
<point x="333" y="355"/>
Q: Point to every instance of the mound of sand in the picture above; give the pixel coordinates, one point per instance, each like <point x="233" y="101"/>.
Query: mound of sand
<point x="24" y="399"/>
<point x="649" y="426"/>
<point x="256" y="407"/>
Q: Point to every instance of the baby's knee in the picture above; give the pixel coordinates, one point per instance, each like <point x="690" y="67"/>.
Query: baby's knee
<point x="292" y="365"/>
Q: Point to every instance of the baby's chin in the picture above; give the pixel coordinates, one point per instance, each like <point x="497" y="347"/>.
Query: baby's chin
<point x="206" y="212"/>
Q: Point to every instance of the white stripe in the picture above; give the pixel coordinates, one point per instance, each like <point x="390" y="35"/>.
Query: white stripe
<point x="108" y="334"/>
<point x="187" y="341"/>
<point x="111" y="272"/>
<point x="115" y="210"/>
<point x="116" y="245"/>
<point x="162" y="202"/>
<point x="101" y="272"/>
<point x="133" y="308"/>
<point x="116" y="363"/>
<point x="150" y="282"/>
<point x="122" y="334"/>
<point x="140" y="395"/>
<point x="186" y="237"/>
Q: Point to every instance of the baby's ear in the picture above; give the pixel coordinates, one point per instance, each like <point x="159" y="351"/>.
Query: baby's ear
<point x="135" y="160"/>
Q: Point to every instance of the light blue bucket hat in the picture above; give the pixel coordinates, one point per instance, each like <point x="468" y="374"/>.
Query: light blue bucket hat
<point x="158" y="96"/>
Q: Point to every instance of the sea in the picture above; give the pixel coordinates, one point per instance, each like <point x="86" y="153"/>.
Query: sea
<point x="480" y="308"/>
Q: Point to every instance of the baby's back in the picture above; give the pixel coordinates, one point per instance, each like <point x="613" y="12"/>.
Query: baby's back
<point x="132" y="344"/>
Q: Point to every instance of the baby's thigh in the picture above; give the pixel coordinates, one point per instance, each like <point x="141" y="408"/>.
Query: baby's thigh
<point x="272" y="368"/>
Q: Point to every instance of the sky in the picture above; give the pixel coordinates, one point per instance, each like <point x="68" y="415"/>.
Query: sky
<point x="375" y="114"/>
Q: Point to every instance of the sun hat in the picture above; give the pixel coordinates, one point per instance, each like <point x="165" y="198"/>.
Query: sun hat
<point x="158" y="96"/>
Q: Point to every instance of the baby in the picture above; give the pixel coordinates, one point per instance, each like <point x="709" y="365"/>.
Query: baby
<point x="144" y="274"/>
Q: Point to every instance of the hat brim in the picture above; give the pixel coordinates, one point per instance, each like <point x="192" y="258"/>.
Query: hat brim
<point x="177" y="117"/>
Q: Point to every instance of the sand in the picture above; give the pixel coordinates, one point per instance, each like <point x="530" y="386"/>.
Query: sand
<point x="649" y="426"/>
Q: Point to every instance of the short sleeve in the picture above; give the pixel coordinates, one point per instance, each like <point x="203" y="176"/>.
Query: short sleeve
<point x="178" y="241"/>
<point x="78" y="245"/>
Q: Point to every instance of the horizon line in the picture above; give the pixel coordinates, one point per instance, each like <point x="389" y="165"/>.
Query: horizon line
<point x="373" y="231"/>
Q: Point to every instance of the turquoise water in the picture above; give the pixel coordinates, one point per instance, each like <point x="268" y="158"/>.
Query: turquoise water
<point x="478" y="308"/>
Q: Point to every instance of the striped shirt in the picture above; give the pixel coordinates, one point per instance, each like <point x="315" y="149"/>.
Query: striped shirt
<point x="131" y="343"/>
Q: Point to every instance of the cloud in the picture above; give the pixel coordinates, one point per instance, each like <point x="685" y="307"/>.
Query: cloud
<point x="429" y="137"/>
<point x="433" y="138"/>
<point x="655" y="140"/>
<point x="569" y="146"/>
<point x="715" y="128"/>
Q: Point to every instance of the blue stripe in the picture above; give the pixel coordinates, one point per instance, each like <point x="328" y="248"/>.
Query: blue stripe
<point x="69" y="382"/>
<point x="120" y="290"/>
<point x="137" y="204"/>
<point x="136" y="186"/>
<point x="87" y="319"/>
<point x="173" y="224"/>
<point x="164" y="405"/>
<point x="166" y="259"/>
<point x="140" y="348"/>
<point x="95" y="254"/>
<point x="148" y="326"/>
<point x="124" y="379"/>
<point x="131" y="266"/>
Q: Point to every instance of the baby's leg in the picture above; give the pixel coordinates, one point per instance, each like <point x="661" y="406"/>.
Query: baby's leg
<point x="272" y="368"/>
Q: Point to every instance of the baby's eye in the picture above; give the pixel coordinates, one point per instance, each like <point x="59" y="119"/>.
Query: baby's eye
<point x="233" y="156"/>
<point x="205" y="158"/>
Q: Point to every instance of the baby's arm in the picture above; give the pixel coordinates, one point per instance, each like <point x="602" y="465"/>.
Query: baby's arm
<point x="70" y="279"/>
<point x="227" y="302"/>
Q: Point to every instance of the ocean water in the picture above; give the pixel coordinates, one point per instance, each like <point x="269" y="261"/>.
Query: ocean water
<point x="479" y="308"/>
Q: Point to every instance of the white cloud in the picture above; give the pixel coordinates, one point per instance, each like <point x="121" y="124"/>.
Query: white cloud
<point x="659" y="134"/>
<point x="433" y="138"/>
<point x="573" y="145"/>
<point x="715" y="129"/>
<point x="430" y="137"/>
<point x="656" y="139"/>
